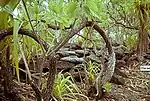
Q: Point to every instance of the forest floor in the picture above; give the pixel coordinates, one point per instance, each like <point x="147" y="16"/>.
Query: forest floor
<point x="136" y="87"/>
<point x="128" y="84"/>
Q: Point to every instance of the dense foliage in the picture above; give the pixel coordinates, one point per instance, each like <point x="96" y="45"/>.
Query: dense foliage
<point x="126" y="22"/>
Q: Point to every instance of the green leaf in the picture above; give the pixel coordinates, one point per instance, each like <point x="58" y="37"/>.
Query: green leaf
<point x="92" y="5"/>
<point x="4" y="19"/>
<point x="70" y="8"/>
<point x="13" y="4"/>
<point x="56" y="7"/>
<point x="107" y="86"/>
<point x="36" y="9"/>
<point x="15" y="47"/>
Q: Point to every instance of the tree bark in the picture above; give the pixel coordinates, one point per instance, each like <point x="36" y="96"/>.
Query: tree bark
<point x="51" y="78"/>
<point x="143" y="34"/>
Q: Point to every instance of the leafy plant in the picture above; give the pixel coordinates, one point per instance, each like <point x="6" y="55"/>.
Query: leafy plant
<point x="62" y="14"/>
<point x="15" y="47"/>
<point x="131" y="42"/>
<point x="92" y="70"/>
<point x="107" y="87"/>
<point x="64" y="86"/>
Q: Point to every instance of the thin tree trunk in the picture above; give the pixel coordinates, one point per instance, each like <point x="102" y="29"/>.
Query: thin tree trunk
<point x="143" y="34"/>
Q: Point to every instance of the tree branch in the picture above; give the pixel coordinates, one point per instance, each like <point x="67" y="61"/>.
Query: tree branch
<point x="6" y="32"/>
<point x="122" y="25"/>
<point x="123" y="18"/>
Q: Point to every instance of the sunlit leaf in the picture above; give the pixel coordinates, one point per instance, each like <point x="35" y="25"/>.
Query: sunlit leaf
<point x="36" y="9"/>
<point x="92" y="5"/>
<point x="13" y="4"/>
<point x="107" y="86"/>
<point x="15" y="47"/>
<point x="70" y="8"/>
<point x="56" y="7"/>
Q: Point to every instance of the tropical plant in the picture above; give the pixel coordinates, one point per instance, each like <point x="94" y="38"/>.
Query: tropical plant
<point x="93" y="69"/>
<point x="65" y="88"/>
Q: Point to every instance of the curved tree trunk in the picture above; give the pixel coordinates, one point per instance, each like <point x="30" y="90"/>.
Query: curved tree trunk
<point x="7" y="32"/>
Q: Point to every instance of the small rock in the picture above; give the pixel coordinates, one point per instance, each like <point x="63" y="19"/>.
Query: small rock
<point x="65" y="53"/>
<point x="82" y="52"/>
<point x="73" y="59"/>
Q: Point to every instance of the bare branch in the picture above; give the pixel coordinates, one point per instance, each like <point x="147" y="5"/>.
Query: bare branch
<point x="6" y="32"/>
<point x="123" y="21"/>
<point x="122" y="25"/>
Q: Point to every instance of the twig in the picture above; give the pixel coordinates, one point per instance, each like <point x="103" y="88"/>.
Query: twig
<point x="25" y="62"/>
<point x="32" y="25"/>
<point x="59" y="45"/>
<point x="32" y="75"/>
<point x="32" y="83"/>
<point x="84" y="37"/>
<point x="125" y="19"/>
